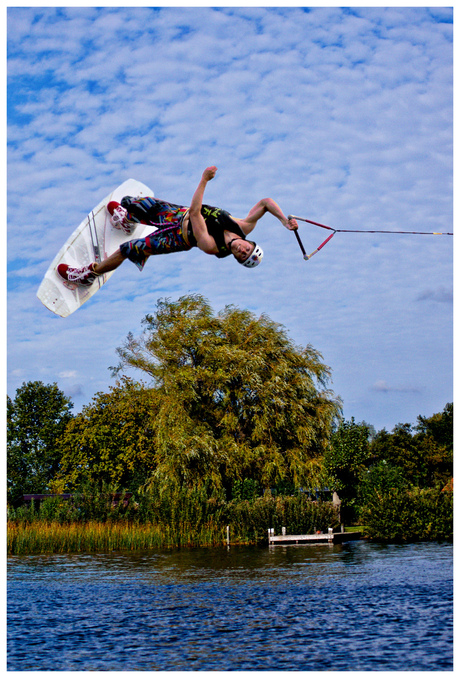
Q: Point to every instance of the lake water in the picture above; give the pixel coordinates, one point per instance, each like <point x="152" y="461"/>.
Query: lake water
<point x="351" y="607"/>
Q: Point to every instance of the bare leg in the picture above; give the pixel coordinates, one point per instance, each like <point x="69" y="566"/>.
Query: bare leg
<point x="110" y="264"/>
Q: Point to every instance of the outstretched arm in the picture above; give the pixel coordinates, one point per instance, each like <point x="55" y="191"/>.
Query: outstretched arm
<point x="203" y="239"/>
<point x="263" y="206"/>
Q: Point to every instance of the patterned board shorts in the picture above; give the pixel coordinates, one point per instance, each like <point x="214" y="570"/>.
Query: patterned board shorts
<point x="163" y="241"/>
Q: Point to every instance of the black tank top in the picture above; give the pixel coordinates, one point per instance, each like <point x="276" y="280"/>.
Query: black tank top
<point x="217" y="221"/>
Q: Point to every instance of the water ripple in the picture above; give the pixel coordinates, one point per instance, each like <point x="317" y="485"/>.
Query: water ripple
<point x="357" y="606"/>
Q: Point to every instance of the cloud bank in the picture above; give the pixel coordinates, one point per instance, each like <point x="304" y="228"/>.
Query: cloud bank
<point x="343" y="116"/>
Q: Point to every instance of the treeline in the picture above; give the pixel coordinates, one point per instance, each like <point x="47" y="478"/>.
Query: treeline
<point x="234" y="421"/>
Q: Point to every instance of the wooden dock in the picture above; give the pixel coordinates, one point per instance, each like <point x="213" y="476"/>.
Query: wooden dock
<point x="328" y="537"/>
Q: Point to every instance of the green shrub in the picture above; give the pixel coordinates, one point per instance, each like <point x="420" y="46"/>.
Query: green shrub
<point x="409" y="515"/>
<point x="88" y="504"/>
<point x="245" y="489"/>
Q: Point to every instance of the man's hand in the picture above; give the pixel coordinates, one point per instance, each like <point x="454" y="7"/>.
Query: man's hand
<point x="209" y="173"/>
<point x="292" y="224"/>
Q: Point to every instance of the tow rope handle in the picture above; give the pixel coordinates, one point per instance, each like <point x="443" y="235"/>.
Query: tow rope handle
<point x="305" y="255"/>
<point x="348" y="230"/>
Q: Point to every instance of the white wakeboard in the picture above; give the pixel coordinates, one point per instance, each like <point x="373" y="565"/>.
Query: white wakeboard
<point x="94" y="240"/>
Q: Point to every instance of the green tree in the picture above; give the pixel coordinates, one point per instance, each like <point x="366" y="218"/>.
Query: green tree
<point x="237" y="399"/>
<point x="439" y="427"/>
<point x="36" y="418"/>
<point x="381" y="478"/>
<point x="400" y="449"/>
<point x="435" y="435"/>
<point x="345" y="462"/>
<point x="424" y="453"/>
<point x="111" y="442"/>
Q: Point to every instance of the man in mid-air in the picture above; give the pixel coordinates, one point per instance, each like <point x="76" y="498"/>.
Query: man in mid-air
<point x="211" y="229"/>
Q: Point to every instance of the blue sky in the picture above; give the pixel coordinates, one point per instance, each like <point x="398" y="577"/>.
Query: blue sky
<point x="343" y="116"/>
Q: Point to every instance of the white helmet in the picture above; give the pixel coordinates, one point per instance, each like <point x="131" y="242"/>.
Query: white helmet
<point x="254" y="258"/>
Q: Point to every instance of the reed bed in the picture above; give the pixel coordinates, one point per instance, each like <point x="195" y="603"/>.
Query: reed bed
<point x="92" y="536"/>
<point x="91" y="523"/>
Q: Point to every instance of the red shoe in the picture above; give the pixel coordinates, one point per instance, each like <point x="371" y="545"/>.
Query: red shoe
<point x="84" y="276"/>
<point x="119" y="218"/>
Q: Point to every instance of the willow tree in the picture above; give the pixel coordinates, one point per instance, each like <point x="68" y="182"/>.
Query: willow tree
<point x="237" y="398"/>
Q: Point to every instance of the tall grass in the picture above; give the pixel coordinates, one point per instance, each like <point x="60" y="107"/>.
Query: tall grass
<point x="92" y="536"/>
<point x="187" y="518"/>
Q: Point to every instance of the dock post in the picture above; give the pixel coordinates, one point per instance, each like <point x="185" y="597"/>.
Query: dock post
<point x="329" y="532"/>
<point x="228" y="534"/>
<point x="283" y="531"/>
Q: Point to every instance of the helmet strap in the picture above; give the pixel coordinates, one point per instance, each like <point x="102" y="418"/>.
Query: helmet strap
<point x="229" y="246"/>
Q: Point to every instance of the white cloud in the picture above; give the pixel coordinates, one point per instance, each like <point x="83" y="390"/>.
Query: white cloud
<point x="68" y="374"/>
